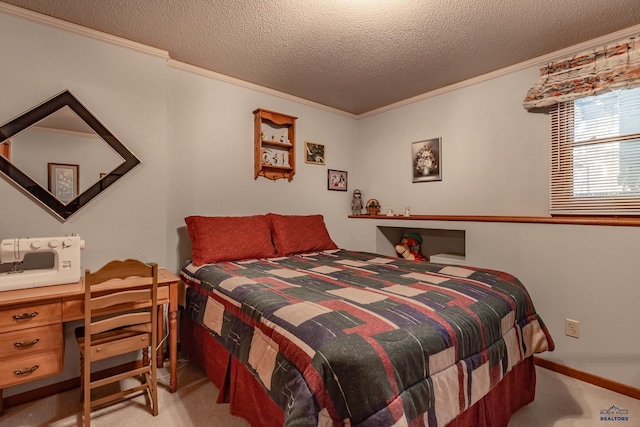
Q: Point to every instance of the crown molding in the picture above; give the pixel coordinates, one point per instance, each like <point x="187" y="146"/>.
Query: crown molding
<point x="119" y="41"/>
<point x="539" y="61"/>
<point x="242" y="83"/>
<point x="79" y="29"/>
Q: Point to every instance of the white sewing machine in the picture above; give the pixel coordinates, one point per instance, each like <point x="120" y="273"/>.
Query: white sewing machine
<point x="66" y="261"/>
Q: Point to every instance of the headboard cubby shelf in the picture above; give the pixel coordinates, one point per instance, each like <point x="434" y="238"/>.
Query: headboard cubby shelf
<point x="434" y="241"/>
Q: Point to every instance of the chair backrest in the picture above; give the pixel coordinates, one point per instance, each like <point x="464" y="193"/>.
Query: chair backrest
<point x="119" y="304"/>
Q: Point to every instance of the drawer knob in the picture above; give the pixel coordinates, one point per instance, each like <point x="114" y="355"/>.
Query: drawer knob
<point x="25" y="316"/>
<point x="22" y="344"/>
<point x="25" y="371"/>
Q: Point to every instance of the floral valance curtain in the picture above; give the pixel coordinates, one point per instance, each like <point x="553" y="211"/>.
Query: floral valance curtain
<point x="586" y="74"/>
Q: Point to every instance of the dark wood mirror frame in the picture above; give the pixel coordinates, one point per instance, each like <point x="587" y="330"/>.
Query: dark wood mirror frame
<point x="31" y="187"/>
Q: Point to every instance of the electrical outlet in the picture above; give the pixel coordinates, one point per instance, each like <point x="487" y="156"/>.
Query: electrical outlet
<point x="572" y="328"/>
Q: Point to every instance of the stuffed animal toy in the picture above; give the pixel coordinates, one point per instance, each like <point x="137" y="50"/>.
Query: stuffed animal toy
<point x="409" y="247"/>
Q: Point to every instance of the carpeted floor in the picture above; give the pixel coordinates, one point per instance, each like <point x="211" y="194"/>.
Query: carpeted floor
<point x="561" y="401"/>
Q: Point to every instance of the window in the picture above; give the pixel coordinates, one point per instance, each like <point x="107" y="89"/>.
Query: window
<point x="595" y="155"/>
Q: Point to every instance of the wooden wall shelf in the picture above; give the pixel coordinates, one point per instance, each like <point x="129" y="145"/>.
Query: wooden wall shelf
<point x="583" y="220"/>
<point x="274" y="145"/>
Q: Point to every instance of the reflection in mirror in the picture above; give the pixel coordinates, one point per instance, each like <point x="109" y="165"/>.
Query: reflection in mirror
<point x="63" y="138"/>
<point x="5" y="149"/>
<point x="62" y="155"/>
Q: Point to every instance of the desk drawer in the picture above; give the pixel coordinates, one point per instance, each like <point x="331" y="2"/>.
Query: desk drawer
<point x="23" y="369"/>
<point x="29" y="316"/>
<point x="28" y="341"/>
<point x="74" y="308"/>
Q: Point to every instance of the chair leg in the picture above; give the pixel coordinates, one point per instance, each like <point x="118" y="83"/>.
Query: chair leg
<point x="81" y="379"/>
<point x="154" y="385"/>
<point x="86" y="409"/>
<point x="86" y="392"/>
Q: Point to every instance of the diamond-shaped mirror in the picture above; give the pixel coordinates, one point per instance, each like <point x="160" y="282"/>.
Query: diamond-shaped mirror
<point x="61" y="155"/>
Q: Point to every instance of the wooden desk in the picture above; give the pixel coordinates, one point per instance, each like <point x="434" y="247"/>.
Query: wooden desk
<point x="54" y="305"/>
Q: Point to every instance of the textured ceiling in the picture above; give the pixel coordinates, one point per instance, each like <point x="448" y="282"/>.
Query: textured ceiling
<point x="352" y="55"/>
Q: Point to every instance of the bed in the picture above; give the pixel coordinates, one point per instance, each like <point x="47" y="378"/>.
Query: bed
<point x="295" y="331"/>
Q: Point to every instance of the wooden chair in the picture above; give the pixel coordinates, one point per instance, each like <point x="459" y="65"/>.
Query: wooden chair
<point x="117" y="321"/>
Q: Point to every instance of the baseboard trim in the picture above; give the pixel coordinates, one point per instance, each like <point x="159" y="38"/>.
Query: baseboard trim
<point x="49" y="390"/>
<point x="588" y="378"/>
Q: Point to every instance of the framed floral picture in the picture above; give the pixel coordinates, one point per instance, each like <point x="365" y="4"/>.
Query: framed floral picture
<point x="337" y="180"/>
<point x="426" y="160"/>
<point x="63" y="181"/>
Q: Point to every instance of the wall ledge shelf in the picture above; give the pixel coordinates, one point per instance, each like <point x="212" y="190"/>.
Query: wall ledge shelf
<point x="582" y="220"/>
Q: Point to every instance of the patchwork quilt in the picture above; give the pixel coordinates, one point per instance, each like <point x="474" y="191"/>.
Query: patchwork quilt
<point x="344" y="338"/>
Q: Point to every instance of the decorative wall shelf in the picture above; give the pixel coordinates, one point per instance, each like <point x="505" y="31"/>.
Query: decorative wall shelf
<point x="578" y="220"/>
<point x="274" y="145"/>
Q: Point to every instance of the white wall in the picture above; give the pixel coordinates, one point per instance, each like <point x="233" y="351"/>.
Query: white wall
<point x="194" y="137"/>
<point x="494" y="153"/>
<point x="496" y="162"/>
<point x="211" y="151"/>
<point x="126" y="91"/>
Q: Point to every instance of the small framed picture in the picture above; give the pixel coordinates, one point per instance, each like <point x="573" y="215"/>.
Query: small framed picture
<point x="426" y="160"/>
<point x="63" y="181"/>
<point x="337" y="180"/>
<point x="314" y="153"/>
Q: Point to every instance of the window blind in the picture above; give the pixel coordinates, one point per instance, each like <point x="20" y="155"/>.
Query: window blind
<point x="595" y="155"/>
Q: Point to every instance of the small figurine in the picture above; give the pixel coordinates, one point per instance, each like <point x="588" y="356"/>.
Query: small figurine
<point x="356" y="203"/>
<point x="389" y="211"/>
<point x="266" y="156"/>
<point x="406" y="211"/>
<point x="282" y="138"/>
<point x="263" y="135"/>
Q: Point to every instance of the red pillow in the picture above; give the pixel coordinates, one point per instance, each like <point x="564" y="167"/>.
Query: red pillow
<point x="229" y="238"/>
<point x="294" y="234"/>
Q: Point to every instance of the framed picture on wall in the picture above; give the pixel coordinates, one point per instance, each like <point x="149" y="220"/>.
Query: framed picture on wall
<point x="426" y="160"/>
<point x="314" y="153"/>
<point x="64" y="181"/>
<point x="337" y="180"/>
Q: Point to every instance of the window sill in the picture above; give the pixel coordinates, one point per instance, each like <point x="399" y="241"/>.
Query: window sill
<point x="578" y="220"/>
